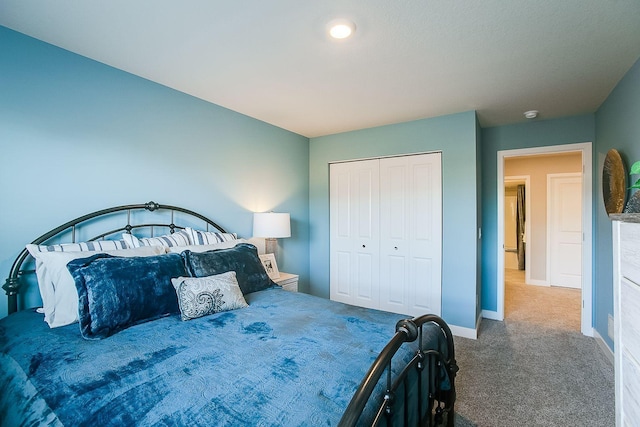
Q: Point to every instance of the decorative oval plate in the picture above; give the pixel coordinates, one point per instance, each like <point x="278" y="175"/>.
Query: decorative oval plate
<point x="614" y="182"/>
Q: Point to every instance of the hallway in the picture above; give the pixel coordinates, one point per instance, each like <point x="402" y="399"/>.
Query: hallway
<point x="553" y="307"/>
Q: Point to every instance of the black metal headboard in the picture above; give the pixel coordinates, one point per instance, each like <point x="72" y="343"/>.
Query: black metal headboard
<point x="13" y="283"/>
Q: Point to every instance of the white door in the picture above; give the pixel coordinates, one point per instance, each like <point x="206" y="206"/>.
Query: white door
<point x="354" y="222"/>
<point x="386" y="233"/>
<point x="411" y="234"/>
<point x="565" y="230"/>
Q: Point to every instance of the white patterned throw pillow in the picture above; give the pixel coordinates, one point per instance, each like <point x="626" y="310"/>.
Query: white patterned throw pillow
<point x="201" y="296"/>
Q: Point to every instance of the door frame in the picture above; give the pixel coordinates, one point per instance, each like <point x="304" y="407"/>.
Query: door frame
<point x="550" y="178"/>
<point x="585" y="148"/>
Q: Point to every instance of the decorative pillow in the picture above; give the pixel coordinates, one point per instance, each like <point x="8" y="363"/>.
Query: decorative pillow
<point x="116" y="293"/>
<point x="198" y="237"/>
<point x="201" y="296"/>
<point x="204" y="248"/>
<point x="179" y="238"/>
<point x="242" y="258"/>
<point x="57" y="288"/>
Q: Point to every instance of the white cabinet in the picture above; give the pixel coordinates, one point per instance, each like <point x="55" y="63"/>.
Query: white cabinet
<point x="386" y="233"/>
<point x="626" y="267"/>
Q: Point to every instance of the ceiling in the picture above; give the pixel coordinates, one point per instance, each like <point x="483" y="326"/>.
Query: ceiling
<point x="409" y="59"/>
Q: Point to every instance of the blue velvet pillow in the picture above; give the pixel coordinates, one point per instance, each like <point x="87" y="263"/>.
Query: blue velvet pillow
<point x="115" y="292"/>
<point x="242" y="258"/>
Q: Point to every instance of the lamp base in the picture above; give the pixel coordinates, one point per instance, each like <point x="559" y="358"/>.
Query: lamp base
<point x="271" y="247"/>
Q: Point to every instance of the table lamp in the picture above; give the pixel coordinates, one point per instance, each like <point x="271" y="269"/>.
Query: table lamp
<point x="271" y="226"/>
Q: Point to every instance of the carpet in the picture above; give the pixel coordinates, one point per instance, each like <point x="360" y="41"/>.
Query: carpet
<point x="519" y="373"/>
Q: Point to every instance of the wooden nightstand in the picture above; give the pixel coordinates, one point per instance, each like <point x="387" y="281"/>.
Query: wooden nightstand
<point x="289" y="282"/>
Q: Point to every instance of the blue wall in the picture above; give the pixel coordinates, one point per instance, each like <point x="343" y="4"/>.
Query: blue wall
<point x="524" y="135"/>
<point x="456" y="136"/>
<point x="78" y="136"/>
<point x="617" y="126"/>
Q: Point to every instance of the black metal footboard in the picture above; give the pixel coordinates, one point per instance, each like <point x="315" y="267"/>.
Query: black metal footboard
<point x="423" y="393"/>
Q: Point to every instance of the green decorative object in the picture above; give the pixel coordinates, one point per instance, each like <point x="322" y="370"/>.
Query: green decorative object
<point x="635" y="170"/>
<point x="633" y="205"/>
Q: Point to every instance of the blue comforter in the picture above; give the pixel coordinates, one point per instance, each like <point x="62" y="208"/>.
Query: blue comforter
<point x="289" y="359"/>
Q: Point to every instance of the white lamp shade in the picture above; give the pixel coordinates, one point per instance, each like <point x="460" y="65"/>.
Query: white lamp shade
<point x="271" y="225"/>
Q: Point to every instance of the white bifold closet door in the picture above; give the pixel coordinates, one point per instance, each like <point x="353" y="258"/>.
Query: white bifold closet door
<point x="386" y="233"/>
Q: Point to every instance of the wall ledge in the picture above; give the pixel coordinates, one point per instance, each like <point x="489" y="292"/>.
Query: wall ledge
<point x="625" y="217"/>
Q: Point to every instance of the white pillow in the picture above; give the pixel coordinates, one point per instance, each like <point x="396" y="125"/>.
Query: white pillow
<point x="57" y="287"/>
<point x="204" y="248"/>
<point x="201" y="296"/>
<point x="179" y="238"/>
<point x="198" y="237"/>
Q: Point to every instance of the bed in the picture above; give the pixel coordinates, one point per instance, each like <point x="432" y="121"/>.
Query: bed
<point x="187" y="329"/>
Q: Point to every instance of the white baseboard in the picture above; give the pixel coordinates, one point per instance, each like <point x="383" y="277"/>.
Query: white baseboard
<point x="463" y="332"/>
<point x="538" y="282"/>
<point x="603" y="346"/>
<point x="492" y="315"/>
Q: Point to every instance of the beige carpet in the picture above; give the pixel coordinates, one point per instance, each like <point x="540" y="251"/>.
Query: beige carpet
<point x="550" y="306"/>
<point x="535" y="368"/>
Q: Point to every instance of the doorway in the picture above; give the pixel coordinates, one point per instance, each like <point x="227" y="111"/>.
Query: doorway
<point x="536" y="266"/>
<point x="516" y="226"/>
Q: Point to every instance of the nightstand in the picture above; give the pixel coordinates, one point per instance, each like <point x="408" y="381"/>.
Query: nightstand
<point x="289" y="282"/>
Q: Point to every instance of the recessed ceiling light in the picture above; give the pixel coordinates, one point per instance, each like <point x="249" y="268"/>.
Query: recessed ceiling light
<point x="531" y="114"/>
<point x="341" y="28"/>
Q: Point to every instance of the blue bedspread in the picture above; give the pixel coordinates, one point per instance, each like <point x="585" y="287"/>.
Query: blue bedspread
<point x="289" y="359"/>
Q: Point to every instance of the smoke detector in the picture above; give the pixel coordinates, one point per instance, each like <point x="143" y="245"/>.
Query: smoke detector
<point x="531" y="114"/>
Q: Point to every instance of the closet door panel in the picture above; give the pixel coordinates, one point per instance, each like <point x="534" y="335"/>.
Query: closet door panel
<point x="365" y="293"/>
<point x="340" y="229"/>
<point x="341" y="275"/>
<point x="394" y="234"/>
<point x="425" y="240"/>
<point x="410" y="218"/>
<point x="354" y="240"/>
<point x="366" y="244"/>
<point x="423" y="292"/>
<point x="394" y="284"/>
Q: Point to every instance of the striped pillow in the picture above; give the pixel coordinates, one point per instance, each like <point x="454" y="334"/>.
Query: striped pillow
<point x="95" y="246"/>
<point x="199" y="237"/>
<point x="179" y="238"/>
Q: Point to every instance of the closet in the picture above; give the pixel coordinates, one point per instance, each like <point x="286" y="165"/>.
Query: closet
<point x="386" y="233"/>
